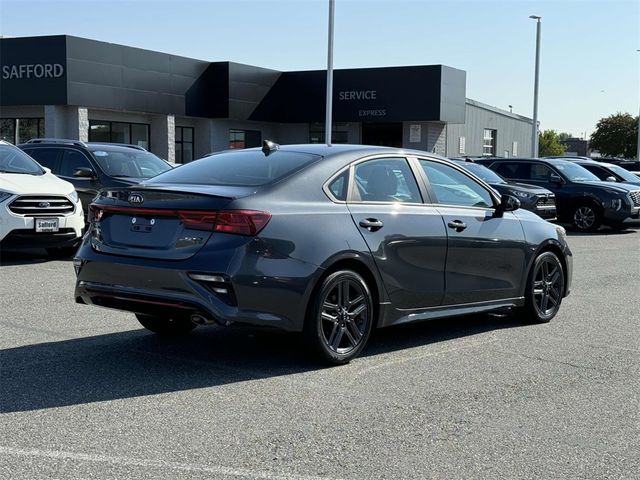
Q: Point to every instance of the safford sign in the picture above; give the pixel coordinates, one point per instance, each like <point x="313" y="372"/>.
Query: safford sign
<point x="33" y="72"/>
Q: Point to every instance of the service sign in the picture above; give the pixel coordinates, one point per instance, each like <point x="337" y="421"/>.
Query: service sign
<point x="33" y="71"/>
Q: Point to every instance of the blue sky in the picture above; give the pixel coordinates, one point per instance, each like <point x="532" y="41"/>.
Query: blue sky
<point x="590" y="66"/>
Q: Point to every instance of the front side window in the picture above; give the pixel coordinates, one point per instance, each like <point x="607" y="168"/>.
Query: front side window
<point x="71" y="161"/>
<point x="452" y="187"/>
<point x="386" y="180"/>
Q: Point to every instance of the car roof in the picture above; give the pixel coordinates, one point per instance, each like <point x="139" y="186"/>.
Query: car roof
<point x="352" y="150"/>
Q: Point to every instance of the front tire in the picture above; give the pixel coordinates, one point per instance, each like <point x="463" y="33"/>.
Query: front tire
<point x="586" y="218"/>
<point x="166" y="326"/>
<point x="340" y="318"/>
<point x="544" y="290"/>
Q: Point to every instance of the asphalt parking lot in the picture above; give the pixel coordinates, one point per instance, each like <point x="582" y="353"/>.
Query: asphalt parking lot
<point x="86" y="393"/>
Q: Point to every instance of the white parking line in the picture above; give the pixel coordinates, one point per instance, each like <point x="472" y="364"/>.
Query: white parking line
<point x="148" y="463"/>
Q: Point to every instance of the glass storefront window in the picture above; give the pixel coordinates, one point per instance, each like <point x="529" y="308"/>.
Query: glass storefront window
<point x="184" y="144"/>
<point x="8" y="130"/>
<point x="140" y="135"/>
<point x="19" y="130"/>
<point x="99" y="132"/>
<point x="119" y="132"/>
<point x="244" y="138"/>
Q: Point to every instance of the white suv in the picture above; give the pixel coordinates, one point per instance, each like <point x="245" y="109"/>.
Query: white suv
<point x="37" y="209"/>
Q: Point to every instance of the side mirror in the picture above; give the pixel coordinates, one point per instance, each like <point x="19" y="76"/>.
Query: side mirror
<point x="508" y="203"/>
<point x="555" y="178"/>
<point x="610" y="179"/>
<point x="84" y="172"/>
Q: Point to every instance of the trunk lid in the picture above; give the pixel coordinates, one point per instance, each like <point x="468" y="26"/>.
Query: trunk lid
<point x="163" y="222"/>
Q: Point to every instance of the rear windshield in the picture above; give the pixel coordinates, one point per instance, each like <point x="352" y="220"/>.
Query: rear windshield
<point x="242" y="168"/>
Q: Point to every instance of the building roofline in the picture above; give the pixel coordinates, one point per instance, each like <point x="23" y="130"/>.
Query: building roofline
<point x="491" y="108"/>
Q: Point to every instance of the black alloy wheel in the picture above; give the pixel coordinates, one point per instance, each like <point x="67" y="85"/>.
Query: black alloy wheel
<point x="340" y="320"/>
<point x="545" y="289"/>
<point x="586" y="218"/>
<point x="166" y="326"/>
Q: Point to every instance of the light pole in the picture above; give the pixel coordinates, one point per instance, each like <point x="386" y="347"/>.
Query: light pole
<point x="534" y="131"/>
<point x="329" y="112"/>
<point x="638" y="149"/>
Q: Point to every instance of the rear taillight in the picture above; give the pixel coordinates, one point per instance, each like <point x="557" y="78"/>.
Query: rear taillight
<point x="242" y="222"/>
<point x="239" y="222"/>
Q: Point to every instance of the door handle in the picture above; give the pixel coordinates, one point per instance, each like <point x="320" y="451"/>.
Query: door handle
<point x="457" y="225"/>
<point x="371" y="224"/>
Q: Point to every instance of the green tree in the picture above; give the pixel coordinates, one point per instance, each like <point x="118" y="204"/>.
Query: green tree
<point x="616" y="136"/>
<point x="549" y="144"/>
<point x="562" y="136"/>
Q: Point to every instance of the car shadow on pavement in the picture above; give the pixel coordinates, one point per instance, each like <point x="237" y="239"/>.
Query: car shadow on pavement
<point x="136" y="363"/>
<point x="26" y="257"/>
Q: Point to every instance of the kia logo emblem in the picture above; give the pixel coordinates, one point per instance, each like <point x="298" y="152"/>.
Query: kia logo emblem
<point x="136" y="198"/>
<point x="44" y="205"/>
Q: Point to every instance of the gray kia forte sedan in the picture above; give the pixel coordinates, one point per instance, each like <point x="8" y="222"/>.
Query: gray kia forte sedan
<point x="329" y="241"/>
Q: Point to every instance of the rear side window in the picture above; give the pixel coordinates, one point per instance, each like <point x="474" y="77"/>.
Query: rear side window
<point x="338" y="187"/>
<point x="47" y="157"/>
<point x="513" y="170"/>
<point x="241" y="168"/>
<point x="386" y="180"/>
<point x="71" y="161"/>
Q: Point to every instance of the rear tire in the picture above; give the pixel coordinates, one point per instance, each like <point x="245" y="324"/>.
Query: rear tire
<point x="544" y="290"/>
<point x="166" y="326"/>
<point x="340" y="318"/>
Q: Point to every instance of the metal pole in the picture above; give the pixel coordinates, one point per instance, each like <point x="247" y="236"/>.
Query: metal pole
<point x="638" y="149"/>
<point x="534" y="130"/>
<point x="329" y="112"/>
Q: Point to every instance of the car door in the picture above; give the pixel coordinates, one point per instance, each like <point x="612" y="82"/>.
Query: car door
<point x="87" y="187"/>
<point x="407" y="238"/>
<point x="485" y="248"/>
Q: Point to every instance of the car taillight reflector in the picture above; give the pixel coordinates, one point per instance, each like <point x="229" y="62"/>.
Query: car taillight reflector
<point x="239" y="222"/>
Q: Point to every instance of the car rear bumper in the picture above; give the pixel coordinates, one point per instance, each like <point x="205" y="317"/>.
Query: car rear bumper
<point x="259" y="291"/>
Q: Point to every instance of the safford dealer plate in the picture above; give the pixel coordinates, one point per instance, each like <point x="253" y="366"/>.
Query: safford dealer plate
<point x="47" y="225"/>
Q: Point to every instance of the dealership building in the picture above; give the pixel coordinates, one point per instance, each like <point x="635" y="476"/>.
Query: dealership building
<point x="181" y="108"/>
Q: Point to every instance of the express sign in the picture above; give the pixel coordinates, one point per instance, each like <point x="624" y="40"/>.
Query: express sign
<point x="37" y="70"/>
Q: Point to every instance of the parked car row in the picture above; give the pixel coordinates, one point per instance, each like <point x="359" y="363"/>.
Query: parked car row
<point x="582" y="199"/>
